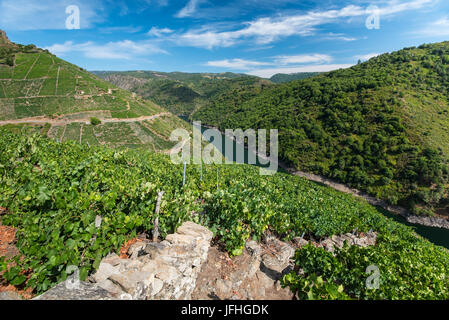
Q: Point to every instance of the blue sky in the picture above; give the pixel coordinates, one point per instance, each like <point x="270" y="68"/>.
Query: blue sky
<point x="260" y="37"/>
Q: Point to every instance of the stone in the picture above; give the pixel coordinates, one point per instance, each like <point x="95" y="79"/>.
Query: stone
<point x="10" y="295"/>
<point x="130" y="280"/>
<point x="192" y="229"/>
<point x="105" y="270"/>
<point x="112" y="259"/>
<point x="329" y="245"/>
<point x="255" y="251"/>
<point x="168" y="274"/>
<point x="136" y="249"/>
<point x="164" y="270"/>
<point x="300" y="242"/>
<point x="111" y="287"/>
<point x="339" y="242"/>
<point x="85" y="291"/>
<point x="182" y="239"/>
<point x="155" y="249"/>
<point x="157" y="286"/>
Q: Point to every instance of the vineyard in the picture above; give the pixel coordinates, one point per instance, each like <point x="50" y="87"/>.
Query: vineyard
<point x="54" y="191"/>
<point x="40" y="92"/>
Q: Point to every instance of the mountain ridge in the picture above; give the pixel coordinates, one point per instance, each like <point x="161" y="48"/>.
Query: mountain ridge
<point x="379" y="126"/>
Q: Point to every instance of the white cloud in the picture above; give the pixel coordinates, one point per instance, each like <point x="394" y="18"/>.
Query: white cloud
<point x="125" y="49"/>
<point x="46" y="14"/>
<point x="338" y="36"/>
<point x="365" y="57"/>
<point x="189" y="9"/>
<point x="158" y="32"/>
<point x="281" y="64"/>
<point x="239" y="64"/>
<point x="268" y="73"/>
<point x="269" y="29"/>
<point x="439" y="28"/>
<point x="123" y="29"/>
<point x="303" y="58"/>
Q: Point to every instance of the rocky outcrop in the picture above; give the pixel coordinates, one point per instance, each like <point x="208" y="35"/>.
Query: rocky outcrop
<point x="428" y="221"/>
<point x="80" y="291"/>
<point x="167" y="270"/>
<point x="4" y="38"/>
<point x="10" y="295"/>
<point x="256" y="274"/>
<point x="330" y="244"/>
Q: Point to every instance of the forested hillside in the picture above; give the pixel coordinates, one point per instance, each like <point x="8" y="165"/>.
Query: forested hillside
<point x="380" y="126"/>
<point x="282" y="77"/>
<point x="40" y="92"/>
<point x="185" y="93"/>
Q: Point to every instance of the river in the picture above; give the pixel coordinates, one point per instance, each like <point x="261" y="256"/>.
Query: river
<point x="438" y="236"/>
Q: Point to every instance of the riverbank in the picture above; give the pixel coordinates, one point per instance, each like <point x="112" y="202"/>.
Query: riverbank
<point x="434" y="222"/>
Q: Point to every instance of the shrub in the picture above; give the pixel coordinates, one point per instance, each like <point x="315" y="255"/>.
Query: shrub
<point x="95" y="121"/>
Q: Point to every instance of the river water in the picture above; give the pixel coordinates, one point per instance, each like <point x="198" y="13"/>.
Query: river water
<point x="438" y="236"/>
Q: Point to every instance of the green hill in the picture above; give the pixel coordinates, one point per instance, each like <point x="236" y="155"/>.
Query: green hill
<point x="380" y="126"/>
<point x="41" y="92"/>
<point x="183" y="93"/>
<point x="282" y="77"/>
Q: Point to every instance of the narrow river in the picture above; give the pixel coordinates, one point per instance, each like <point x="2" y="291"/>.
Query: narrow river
<point x="438" y="236"/>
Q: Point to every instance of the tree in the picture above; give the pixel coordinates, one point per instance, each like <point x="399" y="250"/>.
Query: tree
<point x="95" y="121"/>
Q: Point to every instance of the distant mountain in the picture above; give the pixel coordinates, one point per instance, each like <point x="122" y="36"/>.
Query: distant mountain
<point x="44" y="93"/>
<point x="380" y="126"/>
<point x="283" y="77"/>
<point x="183" y="93"/>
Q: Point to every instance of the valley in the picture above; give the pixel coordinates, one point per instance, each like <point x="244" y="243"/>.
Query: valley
<point x="379" y="126"/>
<point x="85" y="179"/>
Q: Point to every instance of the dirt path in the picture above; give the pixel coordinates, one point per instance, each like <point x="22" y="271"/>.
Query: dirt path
<point x="57" y="81"/>
<point x="44" y="120"/>
<point x="32" y="66"/>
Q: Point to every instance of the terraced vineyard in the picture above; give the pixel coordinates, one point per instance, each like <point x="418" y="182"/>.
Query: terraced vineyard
<point x="54" y="191"/>
<point x="40" y="92"/>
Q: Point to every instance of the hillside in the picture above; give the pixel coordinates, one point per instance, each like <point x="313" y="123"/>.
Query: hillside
<point x="40" y="92"/>
<point x="380" y="126"/>
<point x="183" y="93"/>
<point x="53" y="194"/>
<point x="282" y="77"/>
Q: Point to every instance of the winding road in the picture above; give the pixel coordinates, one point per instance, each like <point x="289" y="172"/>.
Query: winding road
<point x="44" y="120"/>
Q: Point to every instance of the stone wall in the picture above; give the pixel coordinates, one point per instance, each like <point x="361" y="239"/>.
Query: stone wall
<point x="184" y="267"/>
<point x="164" y="270"/>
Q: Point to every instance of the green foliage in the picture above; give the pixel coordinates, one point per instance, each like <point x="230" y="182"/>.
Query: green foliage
<point x="282" y="77"/>
<point x="313" y="287"/>
<point x="409" y="268"/>
<point x="378" y="126"/>
<point x="55" y="191"/>
<point x="95" y="121"/>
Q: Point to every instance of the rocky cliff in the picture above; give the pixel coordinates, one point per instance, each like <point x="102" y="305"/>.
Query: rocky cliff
<point x="4" y="38"/>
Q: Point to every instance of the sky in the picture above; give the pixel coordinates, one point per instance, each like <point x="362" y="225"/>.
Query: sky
<point x="257" y="37"/>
